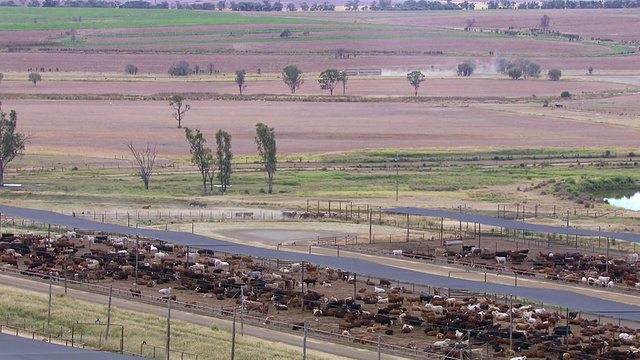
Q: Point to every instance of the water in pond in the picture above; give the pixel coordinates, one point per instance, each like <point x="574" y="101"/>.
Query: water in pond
<point x="629" y="201"/>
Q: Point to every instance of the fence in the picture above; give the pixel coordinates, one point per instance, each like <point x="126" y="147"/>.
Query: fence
<point x="34" y="332"/>
<point x="316" y="329"/>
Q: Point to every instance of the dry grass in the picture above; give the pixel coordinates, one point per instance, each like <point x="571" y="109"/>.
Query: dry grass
<point x="207" y="342"/>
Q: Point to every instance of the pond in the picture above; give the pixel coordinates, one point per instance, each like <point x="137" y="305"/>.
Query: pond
<point x="628" y="201"/>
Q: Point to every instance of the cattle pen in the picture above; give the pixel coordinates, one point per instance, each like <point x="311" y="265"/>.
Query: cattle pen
<point x="358" y="269"/>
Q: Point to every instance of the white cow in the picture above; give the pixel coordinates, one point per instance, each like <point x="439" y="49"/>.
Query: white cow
<point x="438" y="309"/>
<point x="442" y="343"/>
<point x="165" y="291"/>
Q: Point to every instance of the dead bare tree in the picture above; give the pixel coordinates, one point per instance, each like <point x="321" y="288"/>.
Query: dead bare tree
<point x="145" y="159"/>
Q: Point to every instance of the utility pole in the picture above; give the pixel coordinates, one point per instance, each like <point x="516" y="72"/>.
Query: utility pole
<point x="233" y="336"/>
<point x="397" y="175"/>
<point x="370" y="221"/>
<point x="135" y="284"/>
<point x="106" y="335"/>
<point x="169" y="325"/>
<point x="50" y="284"/>
<point x="304" y="342"/>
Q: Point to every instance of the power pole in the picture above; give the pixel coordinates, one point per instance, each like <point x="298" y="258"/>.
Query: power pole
<point x="168" y="325"/>
<point x="397" y="166"/>
<point x="106" y="335"/>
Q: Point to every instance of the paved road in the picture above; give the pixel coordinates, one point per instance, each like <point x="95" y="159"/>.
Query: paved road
<point x="328" y="350"/>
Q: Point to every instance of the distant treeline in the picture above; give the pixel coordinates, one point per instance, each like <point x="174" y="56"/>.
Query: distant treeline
<point x="352" y="5"/>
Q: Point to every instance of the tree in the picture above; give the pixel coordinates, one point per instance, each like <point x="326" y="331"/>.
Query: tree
<point x="210" y="68"/>
<point x="292" y="76"/>
<point x="180" y="68"/>
<point x="145" y="159"/>
<point x="304" y="6"/>
<point x="221" y="5"/>
<point x="343" y="78"/>
<point x="590" y="70"/>
<point x="466" y="68"/>
<point x="223" y="158"/>
<point x="34" y="77"/>
<point x="12" y="141"/>
<point x="470" y="23"/>
<point x="554" y="74"/>
<point x="545" y="20"/>
<point x="1" y="76"/>
<point x="200" y="155"/>
<point x="177" y="103"/>
<point x="515" y="72"/>
<point x="131" y="69"/>
<point x="240" y="80"/>
<point x="329" y="79"/>
<point x="266" y="142"/>
<point x="532" y="70"/>
<point x="502" y="65"/>
<point x="415" y="78"/>
<point x="291" y="7"/>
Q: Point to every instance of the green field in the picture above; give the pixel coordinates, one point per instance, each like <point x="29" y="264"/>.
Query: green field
<point x="30" y="18"/>
<point x="344" y="177"/>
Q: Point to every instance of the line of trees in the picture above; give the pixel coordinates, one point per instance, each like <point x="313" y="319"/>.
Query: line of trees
<point x="386" y="5"/>
<point x="207" y="162"/>
<point x="518" y="68"/>
<point x="564" y="4"/>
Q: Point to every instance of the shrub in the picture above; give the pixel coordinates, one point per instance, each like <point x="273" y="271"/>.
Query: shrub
<point x="131" y="69"/>
<point x="514" y="72"/>
<point x="466" y="68"/>
<point x="565" y="94"/>
<point x="554" y="74"/>
<point x="285" y="34"/>
<point x="181" y="68"/>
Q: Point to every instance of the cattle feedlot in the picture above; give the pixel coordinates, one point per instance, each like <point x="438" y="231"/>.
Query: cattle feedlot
<point x="460" y="217"/>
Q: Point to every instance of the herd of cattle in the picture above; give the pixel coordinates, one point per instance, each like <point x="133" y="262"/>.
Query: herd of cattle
<point x="363" y="310"/>
<point x="572" y="267"/>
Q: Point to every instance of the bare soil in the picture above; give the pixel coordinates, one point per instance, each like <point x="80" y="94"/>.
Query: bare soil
<point x="100" y="128"/>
